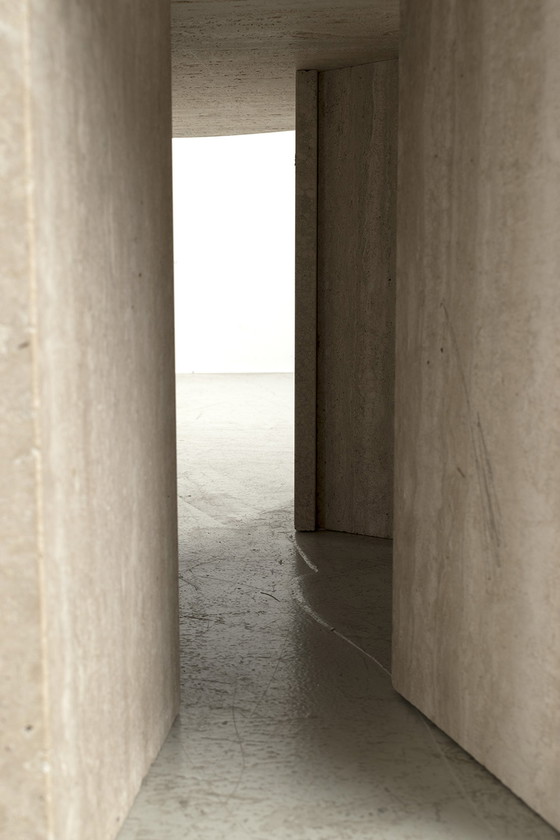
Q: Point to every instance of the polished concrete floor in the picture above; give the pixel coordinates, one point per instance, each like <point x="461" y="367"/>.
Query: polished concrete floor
<point x="289" y="727"/>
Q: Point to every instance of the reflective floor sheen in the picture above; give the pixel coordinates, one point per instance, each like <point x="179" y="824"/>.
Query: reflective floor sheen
<point x="289" y="727"/>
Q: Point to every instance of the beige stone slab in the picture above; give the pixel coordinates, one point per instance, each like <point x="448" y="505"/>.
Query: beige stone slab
<point x="356" y="293"/>
<point x="305" y="430"/>
<point x="23" y="739"/>
<point x="477" y="578"/>
<point x="89" y="570"/>
<point x="234" y="60"/>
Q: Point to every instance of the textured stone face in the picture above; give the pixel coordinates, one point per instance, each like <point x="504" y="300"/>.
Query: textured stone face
<point x="357" y="153"/>
<point x="23" y="754"/>
<point x="234" y="61"/>
<point x="477" y="500"/>
<point x="89" y="636"/>
<point x="305" y="414"/>
<point x="345" y="298"/>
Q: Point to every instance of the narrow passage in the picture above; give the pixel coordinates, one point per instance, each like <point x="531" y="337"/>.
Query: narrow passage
<point x="289" y="728"/>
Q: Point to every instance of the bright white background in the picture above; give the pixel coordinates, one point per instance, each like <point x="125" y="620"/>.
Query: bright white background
<point x="233" y="211"/>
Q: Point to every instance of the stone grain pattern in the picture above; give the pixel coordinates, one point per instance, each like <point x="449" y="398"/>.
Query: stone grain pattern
<point x="23" y="810"/>
<point x="477" y="577"/>
<point x="356" y="297"/>
<point x="234" y="60"/>
<point x="91" y="571"/>
<point x="305" y="431"/>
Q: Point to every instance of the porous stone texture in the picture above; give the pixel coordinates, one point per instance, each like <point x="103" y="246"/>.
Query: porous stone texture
<point x="305" y="431"/>
<point x="89" y="633"/>
<point x="357" y="153"/>
<point x="477" y="502"/>
<point x="234" y="60"/>
<point x="23" y="808"/>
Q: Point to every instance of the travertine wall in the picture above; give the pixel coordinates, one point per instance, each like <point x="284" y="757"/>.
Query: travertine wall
<point x="23" y="812"/>
<point x="345" y="298"/>
<point x="305" y="426"/>
<point x="89" y="635"/>
<point x="477" y="502"/>
<point x="357" y="170"/>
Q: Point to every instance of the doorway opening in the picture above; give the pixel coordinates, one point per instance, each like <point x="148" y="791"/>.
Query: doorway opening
<point x="234" y="232"/>
<point x="234" y="227"/>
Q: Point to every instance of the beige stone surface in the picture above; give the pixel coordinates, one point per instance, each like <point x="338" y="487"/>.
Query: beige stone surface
<point x="356" y="297"/>
<point x="91" y="563"/>
<point x="23" y="795"/>
<point x="305" y="414"/>
<point x="234" y="61"/>
<point x="477" y="577"/>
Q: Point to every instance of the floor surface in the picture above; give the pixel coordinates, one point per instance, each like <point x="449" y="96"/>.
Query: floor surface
<point x="289" y="727"/>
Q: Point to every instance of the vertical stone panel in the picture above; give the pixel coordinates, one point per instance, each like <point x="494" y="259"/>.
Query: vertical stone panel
<point x="306" y="301"/>
<point x="356" y="294"/>
<point x="477" y="498"/>
<point x="23" y="737"/>
<point x="87" y="356"/>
